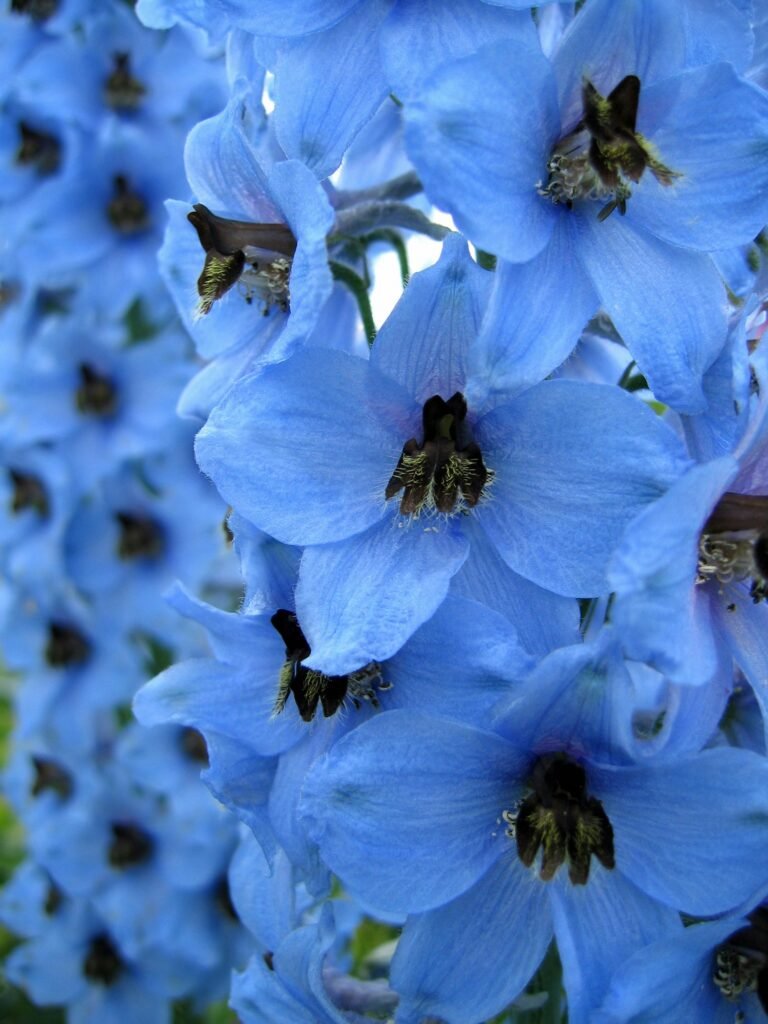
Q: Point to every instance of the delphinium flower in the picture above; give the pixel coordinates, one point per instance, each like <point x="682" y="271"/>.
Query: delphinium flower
<point x="392" y="460"/>
<point x="108" y="400"/>
<point x="595" y="176"/>
<point x="258" y="692"/>
<point x="716" y="970"/>
<point x="247" y="265"/>
<point x="689" y="577"/>
<point x="135" y="911"/>
<point x="537" y="837"/>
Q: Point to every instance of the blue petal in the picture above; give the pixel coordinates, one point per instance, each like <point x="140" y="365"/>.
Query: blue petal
<point x="309" y="215"/>
<point x="327" y="86"/>
<point x="578" y="699"/>
<point x="704" y="818"/>
<point x="574" y="464"/>
<point x="301" y="17"/>
<point x="222" y="166"/>
<point x="608" y="41"/>
<point x="406" y="808"/>
<point x="468" y="959"/>
<point x="360" y="599"/>
<point x="664" y="618"/>
<point x="458" y="664"/>
<point x="480" y="136"/>
<point x="537" y="312"/>
<point x="424" y="342"/>
<point x="653" y="984"/>
<point x="745" y="632"/>
<point x="668" y="304"/>
<point x="712" y="128"/>
<point x="326" y="431"/>
<point x="543" y="620"/>
<point x="598" y="926"/>
<point x="441" y="33"/>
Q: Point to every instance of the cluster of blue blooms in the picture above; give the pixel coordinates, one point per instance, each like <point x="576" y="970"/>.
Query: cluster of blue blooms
<point x="122" y="905"/>
<point x="496" y="680"/>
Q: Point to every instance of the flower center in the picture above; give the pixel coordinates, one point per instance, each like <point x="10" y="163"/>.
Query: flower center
<point x="257" y="256"/>
<point x="66" y="646"/>
<point x="38" y="150"/>
<point x="121" y="90"/>
<point x="50" y="775"/>
<point x="130" y="845"/>
<point x="96" y="394"/>
<point x="604" y="152"/>
<point x="309" y="687"/>
<point x="126" y="210"/>
<point x="102" y="962"/>
<point x="734" y="543"/>
<point x="560" y="818"/>
<point x="28" y="492"/>
<point x="741" y="963"/>
<point x="140" y="536"/>
<point x="446" y="471"/>
<point x="39" y="10"/>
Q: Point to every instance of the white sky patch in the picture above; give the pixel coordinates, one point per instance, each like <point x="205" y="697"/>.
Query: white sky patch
<point x="423" y="252"/>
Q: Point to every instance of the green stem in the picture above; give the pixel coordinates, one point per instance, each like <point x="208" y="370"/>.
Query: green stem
<point x="390" y="237"/>
<point x="347" y="276"/>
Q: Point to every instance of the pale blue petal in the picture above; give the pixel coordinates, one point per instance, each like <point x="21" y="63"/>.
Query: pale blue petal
<point x="599" y="925"/>
<point x="304" y="450"/>
<point x="417" y="38"/>
<point x="705" y="818"/>
<point x="574" y="464"/>
<point x="537" y="312"/>
<point x="458" y="664"/>
<point x="467" y="960"/>
<point x="222" y="167"/>
<point x="424" y="342"/>
<point x="300" y="17"/>
<point x="327" y="86"/>
<point x="480" y="135"/>
<point x="360" y="599"/>
<point x="543" y="620"/>
<point x="668" y="304"/>
<point x="406" y="808"/>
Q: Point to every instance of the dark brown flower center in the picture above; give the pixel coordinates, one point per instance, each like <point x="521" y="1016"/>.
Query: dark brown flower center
<point x="127" y="211"/>
<point x="66" y="646"/>
<point x="102" y="962"/>
<point x="130" y="845"/>
<point x="38" y="150"/>
<point x="28" y="493"/>
<point x="309" y="687"/>
<point x="38" y="10"/>
<point x="741" y="963"/>
<point x="445" y="472"/>
<point x="122" y="91"/>
<point x="140" y="536"/>
<point x="96" y="394"/>
<point x="604" y="152"/>
<point x="51" y="776"/>
<point x="259" y="256"/>
<point x="561" y="819"/>
<point x="734" y="543"/>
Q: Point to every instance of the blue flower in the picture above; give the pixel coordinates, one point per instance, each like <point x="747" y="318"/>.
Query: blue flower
<point x="383" y="469"/>
<point x="503" y="141"/>
<point x="715" y="971"/>
<point x="478" y="839"/>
